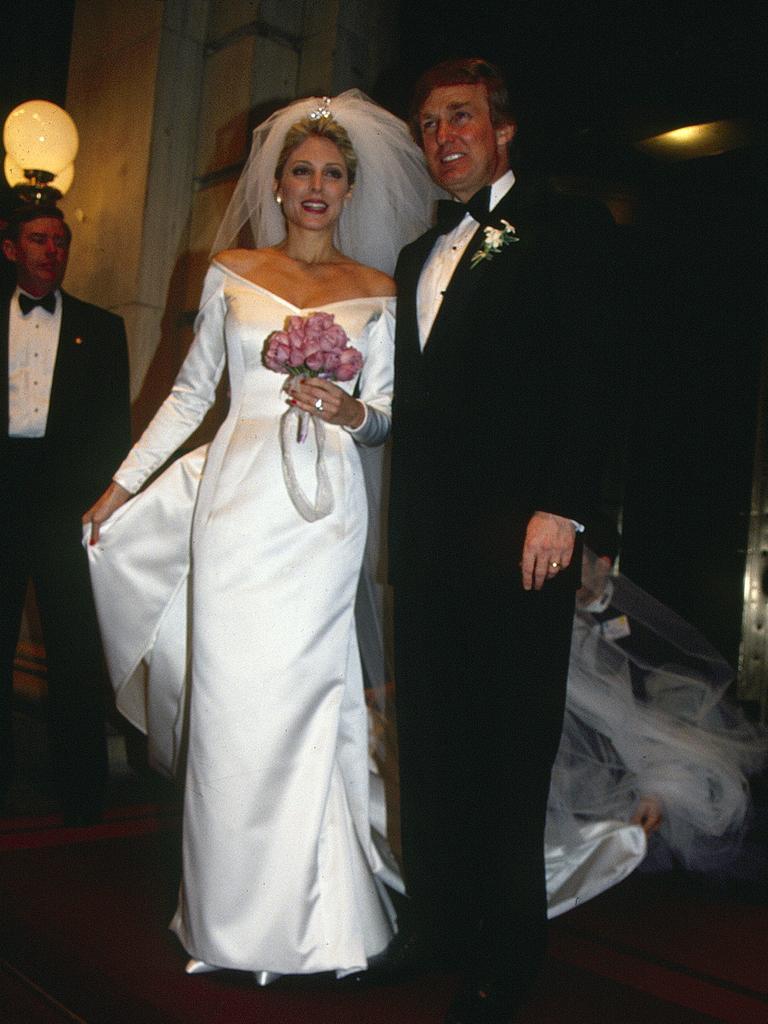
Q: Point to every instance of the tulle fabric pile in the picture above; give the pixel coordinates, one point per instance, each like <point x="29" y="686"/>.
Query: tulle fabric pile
<point x="647" y="716"/>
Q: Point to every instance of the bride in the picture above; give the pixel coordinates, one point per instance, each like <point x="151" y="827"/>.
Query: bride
<point x="279" y="871"/>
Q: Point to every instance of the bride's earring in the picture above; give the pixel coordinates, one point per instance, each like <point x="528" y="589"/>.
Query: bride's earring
<point x="278" y="199"/>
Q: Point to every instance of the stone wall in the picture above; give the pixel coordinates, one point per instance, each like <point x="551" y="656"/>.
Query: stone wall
<point x="165" y="95"/>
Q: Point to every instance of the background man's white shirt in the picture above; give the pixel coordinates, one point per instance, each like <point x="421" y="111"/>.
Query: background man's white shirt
<point x="33" y="340"/>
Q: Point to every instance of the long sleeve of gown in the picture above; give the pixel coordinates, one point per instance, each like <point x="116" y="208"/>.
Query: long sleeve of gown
<point x="377" y="379"/>
<point x="192" y="394"/>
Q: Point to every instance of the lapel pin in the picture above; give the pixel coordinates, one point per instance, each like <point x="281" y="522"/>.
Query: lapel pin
<point x="78" y="341"/>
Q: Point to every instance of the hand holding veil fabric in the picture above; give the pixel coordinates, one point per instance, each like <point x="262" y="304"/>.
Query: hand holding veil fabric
<point x="646" y="716"/>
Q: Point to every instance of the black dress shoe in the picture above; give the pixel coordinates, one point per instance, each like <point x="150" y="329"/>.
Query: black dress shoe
<point x="478" y="1004"/>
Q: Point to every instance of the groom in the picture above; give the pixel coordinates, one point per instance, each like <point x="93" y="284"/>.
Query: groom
<point x="501" y="311"/>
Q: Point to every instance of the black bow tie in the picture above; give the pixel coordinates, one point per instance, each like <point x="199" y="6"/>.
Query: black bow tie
<point x="450" y="213"/>
<point x="27" y="303"/>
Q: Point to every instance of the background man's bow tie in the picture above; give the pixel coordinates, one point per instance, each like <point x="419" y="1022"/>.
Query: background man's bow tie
<point x="27" y="303"/>
<point x="450" y="213"/>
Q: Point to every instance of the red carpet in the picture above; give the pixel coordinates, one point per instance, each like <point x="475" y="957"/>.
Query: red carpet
<point x="84" y="939"/>
<point x="32" y="833"/>
<point x="699" y="933"/>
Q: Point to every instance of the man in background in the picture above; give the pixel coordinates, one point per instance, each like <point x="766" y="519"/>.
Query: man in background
<point x="66" y="425"/>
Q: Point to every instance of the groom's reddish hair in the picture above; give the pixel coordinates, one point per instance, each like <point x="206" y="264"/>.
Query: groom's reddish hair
<point x="462" y="71"/>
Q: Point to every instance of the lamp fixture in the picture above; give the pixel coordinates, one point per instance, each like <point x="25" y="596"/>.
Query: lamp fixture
<point x="41" y="143"/>
<point x="696" y="140"/>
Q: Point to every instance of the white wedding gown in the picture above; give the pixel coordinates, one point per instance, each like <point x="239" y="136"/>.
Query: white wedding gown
<point x="235" y="641"/>
<point x="229" y="633"/>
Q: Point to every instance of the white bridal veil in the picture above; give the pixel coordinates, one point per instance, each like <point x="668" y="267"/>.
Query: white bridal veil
<point x="393" y="196"/>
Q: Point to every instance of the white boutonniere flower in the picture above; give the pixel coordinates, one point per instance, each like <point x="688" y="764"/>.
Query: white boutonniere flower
<point x="495" y="240"/>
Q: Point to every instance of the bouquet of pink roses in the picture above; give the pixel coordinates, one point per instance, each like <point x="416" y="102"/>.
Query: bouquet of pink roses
<point x="309" y="346"/>
<point x="312" y="346"/>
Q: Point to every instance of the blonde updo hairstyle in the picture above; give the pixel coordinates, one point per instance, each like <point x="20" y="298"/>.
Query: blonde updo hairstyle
<point x="394" y="195"/>
<point x="326" y="128"/>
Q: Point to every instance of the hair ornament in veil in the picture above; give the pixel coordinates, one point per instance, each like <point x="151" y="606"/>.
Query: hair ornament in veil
<point x="393" y="197"/>
<point x="323" y="110"/>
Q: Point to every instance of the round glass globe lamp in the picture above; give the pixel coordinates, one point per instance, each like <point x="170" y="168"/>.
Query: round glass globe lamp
<point x="40" y="136"/>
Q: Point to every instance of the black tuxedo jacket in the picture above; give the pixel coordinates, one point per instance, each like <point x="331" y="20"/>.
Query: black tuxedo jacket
<point x="88" y="429"/>
<point x="496" y="418"/>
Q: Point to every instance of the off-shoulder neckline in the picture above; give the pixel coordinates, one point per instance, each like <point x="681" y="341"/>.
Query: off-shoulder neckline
<point x="301" y="309"/>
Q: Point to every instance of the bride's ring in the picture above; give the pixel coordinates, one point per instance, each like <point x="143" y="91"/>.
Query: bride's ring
<point x="319" y="405"/>
<point x="554" y="565"/>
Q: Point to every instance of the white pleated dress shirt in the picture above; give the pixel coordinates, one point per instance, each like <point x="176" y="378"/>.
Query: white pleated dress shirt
<point x="33" y="340"/>
<point x="444" y="258"/>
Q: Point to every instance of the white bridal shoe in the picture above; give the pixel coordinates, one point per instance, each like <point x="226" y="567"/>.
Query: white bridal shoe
<point x="200" y="967"/>
<point x="261" y="978"/>
<point x="265" y="977"/>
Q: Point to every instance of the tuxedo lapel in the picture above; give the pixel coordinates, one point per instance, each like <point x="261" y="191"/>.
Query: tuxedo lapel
<point x="466" y="279"/>
<point x="5" y="305"/>
<point x="408" y="276"/>
<point x="67" y="365"/>
<point x="71" y="356"/>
